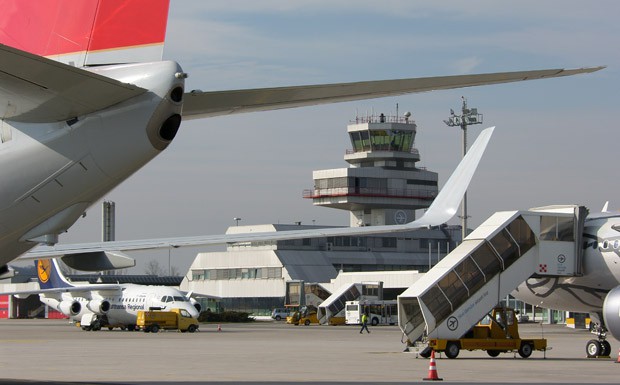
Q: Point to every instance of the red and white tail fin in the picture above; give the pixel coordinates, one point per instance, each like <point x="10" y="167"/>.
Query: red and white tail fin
<point x="86" y="32"/>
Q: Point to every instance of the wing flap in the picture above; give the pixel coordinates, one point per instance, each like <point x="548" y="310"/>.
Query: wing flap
<point x="204" y="104"/>
<point x="35" y="89"/>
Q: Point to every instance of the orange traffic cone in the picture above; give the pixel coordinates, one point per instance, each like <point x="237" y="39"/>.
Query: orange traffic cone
<point x="219" y="327"/>
<point x="432" y="370"/>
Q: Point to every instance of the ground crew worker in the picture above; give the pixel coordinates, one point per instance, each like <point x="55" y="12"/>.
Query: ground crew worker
<point x="364" y="323"/>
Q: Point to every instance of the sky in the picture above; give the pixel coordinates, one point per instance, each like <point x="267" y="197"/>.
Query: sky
<point x="555" y="141"/>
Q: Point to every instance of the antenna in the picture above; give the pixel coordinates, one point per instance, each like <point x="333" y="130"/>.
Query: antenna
<point x="469" y="116"/>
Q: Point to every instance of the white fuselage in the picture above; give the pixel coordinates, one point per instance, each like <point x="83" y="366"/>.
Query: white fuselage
<point x="124" y="303"/>
<point x="52" y="172"/>
<point x="601" y="272"/>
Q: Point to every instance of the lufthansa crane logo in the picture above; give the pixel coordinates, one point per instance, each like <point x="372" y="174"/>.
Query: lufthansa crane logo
<point x="43" y="270"/>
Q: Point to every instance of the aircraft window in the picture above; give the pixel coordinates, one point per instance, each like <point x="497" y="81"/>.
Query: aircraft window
<point x="179" y="299"/>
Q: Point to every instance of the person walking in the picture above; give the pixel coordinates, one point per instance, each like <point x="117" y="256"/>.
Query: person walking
<point x="364" y="323"/>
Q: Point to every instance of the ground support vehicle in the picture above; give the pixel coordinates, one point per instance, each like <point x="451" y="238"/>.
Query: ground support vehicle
<point x="305" y="316"/>
<point x="498" y="332"/>
<point x="379" y="312"/>
<point x="175" y="319"/>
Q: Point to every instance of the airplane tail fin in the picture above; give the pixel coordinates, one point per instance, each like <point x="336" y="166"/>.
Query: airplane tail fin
<point x="87" y="32"/>
<point x="49" y="274"/>
<point x="604" y="210"/>
<point x="446" y="203"/>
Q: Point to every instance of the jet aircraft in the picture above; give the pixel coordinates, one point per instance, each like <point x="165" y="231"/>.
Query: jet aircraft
<point x="86" y="101"/>
<point x="596" y="291"/>
<point x="105" y="305"/>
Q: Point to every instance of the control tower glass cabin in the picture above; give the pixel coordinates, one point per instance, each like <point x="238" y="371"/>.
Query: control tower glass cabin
<point x="382" y="186"/>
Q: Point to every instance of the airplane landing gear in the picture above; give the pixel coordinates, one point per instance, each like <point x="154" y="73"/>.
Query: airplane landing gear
<point x="599" y="347"/>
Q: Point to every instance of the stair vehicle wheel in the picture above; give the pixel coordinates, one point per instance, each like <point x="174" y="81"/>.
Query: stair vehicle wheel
<point x="452" y="350"/>
<point x="593" y="348"/>
<point x="191" y="328"/>
<point x="154" y="328"/>
<point x="493" y="353"/>
<point x="605" y="348"/>
<point x="525" y="350"/>
<point x="307" y="322"/>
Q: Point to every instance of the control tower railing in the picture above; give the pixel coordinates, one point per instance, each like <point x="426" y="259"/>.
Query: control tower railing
<point x="493" y="260"/>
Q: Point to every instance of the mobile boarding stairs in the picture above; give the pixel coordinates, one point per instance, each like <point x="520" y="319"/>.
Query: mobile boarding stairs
<point x="507" y="249"/>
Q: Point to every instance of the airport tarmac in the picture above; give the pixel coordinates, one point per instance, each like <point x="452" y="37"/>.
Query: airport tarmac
<point x="268" y="352"/>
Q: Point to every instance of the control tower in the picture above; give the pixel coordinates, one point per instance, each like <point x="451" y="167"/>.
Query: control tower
<point x="382" y="186"/>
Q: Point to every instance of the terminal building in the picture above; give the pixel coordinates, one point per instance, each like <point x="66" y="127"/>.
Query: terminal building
<point x="381" y="186"/>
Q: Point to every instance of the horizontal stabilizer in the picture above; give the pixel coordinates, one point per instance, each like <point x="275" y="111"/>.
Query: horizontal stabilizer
<point x="35" y="89"/>
<point x="204" y="104"/>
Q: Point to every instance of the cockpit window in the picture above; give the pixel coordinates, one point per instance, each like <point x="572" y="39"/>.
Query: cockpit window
<point x="179" y="298"/>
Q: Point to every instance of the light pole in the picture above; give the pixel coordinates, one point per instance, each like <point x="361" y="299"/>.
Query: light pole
<point x="236" y="219"/>
<point x="469" y="116"/>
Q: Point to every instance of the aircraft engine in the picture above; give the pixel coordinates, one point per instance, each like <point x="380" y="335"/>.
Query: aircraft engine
<point x="196" y="304"/>
<point x="611" y="312"/>
<point x="98" y="306"/>
<point x="70" y="308"/>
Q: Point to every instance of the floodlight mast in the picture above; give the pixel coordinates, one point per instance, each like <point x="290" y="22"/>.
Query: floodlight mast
<point x="469" y="116"/>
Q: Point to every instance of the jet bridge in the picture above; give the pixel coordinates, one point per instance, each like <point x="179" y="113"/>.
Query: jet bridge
<point x="492" y="261"/>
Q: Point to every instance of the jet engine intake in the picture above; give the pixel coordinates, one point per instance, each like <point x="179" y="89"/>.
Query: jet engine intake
<point x="70" y="308"/>
<point x="98" y="306"/>
<point x="611" y="312"/>
<point x="196" y="304"/>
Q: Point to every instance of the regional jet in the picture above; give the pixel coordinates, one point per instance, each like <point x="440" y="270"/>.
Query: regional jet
<point x="105" y="305"/>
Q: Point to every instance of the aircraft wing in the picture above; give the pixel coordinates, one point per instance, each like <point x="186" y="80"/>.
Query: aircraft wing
<point x="200" y="104"/>
<point x="36" y="89"/>
<point x="441" y="210"/>
<point x="71" y="289"/>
